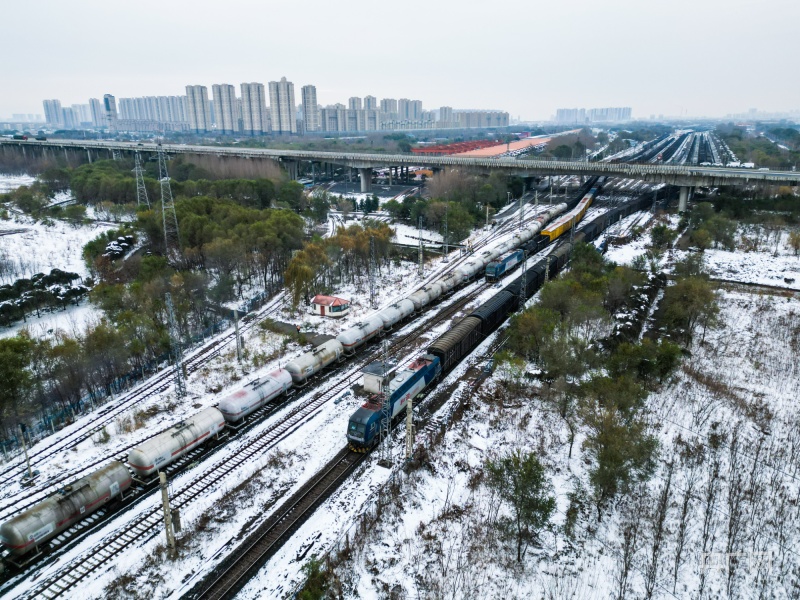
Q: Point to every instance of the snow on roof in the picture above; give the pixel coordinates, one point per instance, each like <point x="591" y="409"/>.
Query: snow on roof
<point x="330" y="301"/>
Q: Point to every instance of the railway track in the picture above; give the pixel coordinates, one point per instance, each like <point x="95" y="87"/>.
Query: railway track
<point x="239" y="567"/>
<point x="161" y="382"/>
<point x="150" y="521"/>
<point x="245" y="561"/>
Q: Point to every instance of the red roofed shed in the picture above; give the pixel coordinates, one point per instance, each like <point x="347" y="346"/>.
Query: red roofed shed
<point x="330" y="306"/>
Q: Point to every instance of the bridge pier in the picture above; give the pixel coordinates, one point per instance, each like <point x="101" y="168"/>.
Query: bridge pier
<point x="366" y="179"/>
<point x="683" y="200"/>
<point x="89" y="155"/>
<point x="291" y="169"/>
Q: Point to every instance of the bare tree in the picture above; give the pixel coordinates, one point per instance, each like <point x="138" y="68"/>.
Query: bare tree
<point x="691" y="457"/>
<point x="630" y="533"/>
<point x="658" y="519"/>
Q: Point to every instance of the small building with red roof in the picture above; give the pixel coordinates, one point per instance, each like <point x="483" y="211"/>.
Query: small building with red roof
<point x="330" y="306"/>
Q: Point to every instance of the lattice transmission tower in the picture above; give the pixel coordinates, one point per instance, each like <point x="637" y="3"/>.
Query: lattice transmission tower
<point x="141" y="190"/>
<point x="177" y="348"/>
<point x="172" y="247"/>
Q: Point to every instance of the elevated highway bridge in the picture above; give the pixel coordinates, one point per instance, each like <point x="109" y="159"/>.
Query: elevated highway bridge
<point x="685" y="176"/>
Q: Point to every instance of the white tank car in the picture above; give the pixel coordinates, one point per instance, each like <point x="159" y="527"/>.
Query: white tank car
<point x="306" y="365"/>
<point x="70" y="504"/>
<point x="434" y="290"/>
<point x="359" y="335"/>
<point x="395" y="313"/>
<point x="158" y="452"/>
<point x="451" y="280"/>
<point x="254" y="395"/>
<point x="420" y="298"/>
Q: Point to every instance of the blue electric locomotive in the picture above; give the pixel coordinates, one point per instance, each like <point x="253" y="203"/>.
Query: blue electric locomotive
<point x="364" y="425"/>
<point x="496" y="269"/>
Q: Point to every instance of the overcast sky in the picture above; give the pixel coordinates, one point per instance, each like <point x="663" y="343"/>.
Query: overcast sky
<point x="529" y="57"/>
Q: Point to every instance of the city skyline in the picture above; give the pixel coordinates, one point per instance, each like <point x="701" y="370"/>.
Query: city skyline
<point x="514" y="62"/>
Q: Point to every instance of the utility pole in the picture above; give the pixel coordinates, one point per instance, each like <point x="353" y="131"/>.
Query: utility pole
<point x="25" y="450"/>
<point x="168" y="215"/>
<point x="523" y="281"/>
<point x="410" y="429"/>
<point x="238" y="340"/>
<point x="547" y="270"/>
<point x="373" y="267"/>
<point x="521" y="210"/>
<point x="177" y="351"/>
<point x="487" y="215"/>
<point x="572" y="230"/>
<point x="141" y="190"/>
<point x="536" y="200"/>
<point x="421" y="258"/>
<point x="171" y="547"/>
<point x="446" y="235"/>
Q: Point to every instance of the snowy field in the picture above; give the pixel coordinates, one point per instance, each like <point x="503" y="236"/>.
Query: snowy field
<point x="435" y="539"/>
<point x="39" y="248"/>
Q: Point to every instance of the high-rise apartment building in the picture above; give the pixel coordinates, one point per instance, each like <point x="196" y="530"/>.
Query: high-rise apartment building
<point x="82" y="113"/>
<point x="110" y="109"/>
<point x="446" y="117"/>
<point x="199" y="112"/>
<point x="69" y="120"/>
<point x="389" y="106"/>
<point x="225" y="108"/>
<point x="52" y="111"/>
<point x="370" y="103"/>
<point x="282" y="107"/>
<point x="354" y="103"/>
<point x="98" y="112"/>
<point x="310" y="108"/>
<point x="403" y="108"/>
<point x="254" y="109"/>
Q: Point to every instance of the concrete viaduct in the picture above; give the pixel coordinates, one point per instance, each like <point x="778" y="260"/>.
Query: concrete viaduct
<point x="683" y="176"/>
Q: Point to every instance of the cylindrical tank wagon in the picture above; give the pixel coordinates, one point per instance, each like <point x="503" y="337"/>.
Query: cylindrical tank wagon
<point x="254" y="395"/>
<point x="310" y="363"/>
<point x="40" y="523"/>
<point x="165" y="448"/>
<point x="355" y="337"/>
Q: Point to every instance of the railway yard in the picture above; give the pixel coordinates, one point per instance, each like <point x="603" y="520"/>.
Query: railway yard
<point x="280" y="485"/>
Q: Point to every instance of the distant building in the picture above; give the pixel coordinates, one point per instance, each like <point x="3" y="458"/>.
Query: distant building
<point x="310" y="108"/>
<point x="370" y="103"/>
<point x="225" y="108"/>
<point x="354" y="103"/>
<point x="52" y="112"/>
<point x="470" y="119"/>
<point x="83" y="113"/>
<point x="281" y="106"/>
<point x="198" y="109"/>
<point x="98" y="112"/>
<point x="389" y="108"/>
<point x="446" y="120"/>
<point x="330" y="306"/>
<point x="110" y="109"/>
<point x="580" y="116"/>
<point x="254" y="109"/>
<point x="69" y="120"/>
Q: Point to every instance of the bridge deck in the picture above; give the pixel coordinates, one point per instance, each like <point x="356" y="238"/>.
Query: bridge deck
<point x="671" y="174"/>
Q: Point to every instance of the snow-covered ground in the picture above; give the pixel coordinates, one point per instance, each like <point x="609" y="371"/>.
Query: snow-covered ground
<point x="8" y="183"/>
<point x="39" y="248"/>
<point x="434" y="534"/>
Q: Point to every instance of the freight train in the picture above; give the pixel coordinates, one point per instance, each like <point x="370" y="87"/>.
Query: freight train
<point x="461" y="339"/>
<point x="31" y="529"/>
